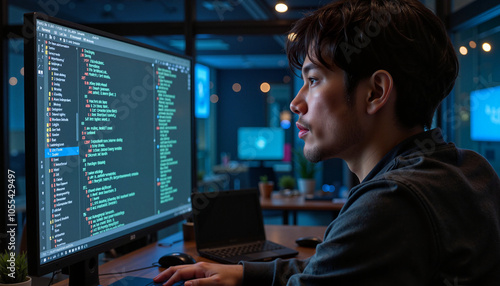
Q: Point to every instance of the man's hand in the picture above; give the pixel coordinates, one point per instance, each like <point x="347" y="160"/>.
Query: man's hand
<point x="202" y="274"/>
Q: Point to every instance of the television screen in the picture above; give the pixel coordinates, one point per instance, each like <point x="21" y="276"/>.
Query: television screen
<point x="485" y="114"/>
<point x="109" y="143"/>
<point x="261" y="143"/>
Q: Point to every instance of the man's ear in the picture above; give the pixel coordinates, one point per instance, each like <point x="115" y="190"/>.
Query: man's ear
<point x="381" y="84"/>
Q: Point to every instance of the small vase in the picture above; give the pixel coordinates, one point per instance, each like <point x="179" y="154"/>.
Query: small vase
<point x="307" y="186"/>
<point x="266" y="189"/>
<point x="24" y="283"/>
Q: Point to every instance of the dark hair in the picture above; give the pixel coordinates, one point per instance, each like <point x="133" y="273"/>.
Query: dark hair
<point x="402" y="37"/>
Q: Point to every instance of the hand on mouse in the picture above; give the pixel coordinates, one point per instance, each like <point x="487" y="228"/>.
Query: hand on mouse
<point x="202" y="274"/>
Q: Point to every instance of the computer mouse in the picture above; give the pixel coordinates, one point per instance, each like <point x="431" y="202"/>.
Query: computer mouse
<point x="308" y="241"/>
<point x="175" y="258"/>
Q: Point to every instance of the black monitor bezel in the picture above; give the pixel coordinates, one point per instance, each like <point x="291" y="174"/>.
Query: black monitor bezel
<point x="33" y="231"/>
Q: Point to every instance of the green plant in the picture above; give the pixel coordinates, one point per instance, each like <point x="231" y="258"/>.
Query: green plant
<point x="306" y="169"/>
<point x="13" y="268"/>
<point x="263" y="179"/>
<point x="200" y="176"/>
<point x="287" y="182"/>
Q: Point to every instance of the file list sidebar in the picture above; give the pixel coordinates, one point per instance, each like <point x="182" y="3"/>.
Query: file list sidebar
<point x="112" y="136"/>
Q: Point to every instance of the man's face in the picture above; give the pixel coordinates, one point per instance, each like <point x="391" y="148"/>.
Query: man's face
<point x="327" y="123"/>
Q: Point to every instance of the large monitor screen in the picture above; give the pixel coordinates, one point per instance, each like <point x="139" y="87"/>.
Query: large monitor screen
<point x="109" y="141"/>
<point x="261" y="143"/>
<point x="485" y="114"/>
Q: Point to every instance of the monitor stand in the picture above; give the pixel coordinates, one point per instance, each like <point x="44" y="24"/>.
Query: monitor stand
<point x="84" y="273"/>
<point x="261" y="163"/>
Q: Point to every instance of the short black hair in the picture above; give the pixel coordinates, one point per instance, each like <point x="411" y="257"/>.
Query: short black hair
<point x="402" y="37"/>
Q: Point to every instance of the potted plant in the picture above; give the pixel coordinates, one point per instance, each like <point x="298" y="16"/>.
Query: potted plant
<point x="14" y="269"/>
<point x="287" y="182"/>
<point x="266" y="187"/>
<point x="307" y="170"/>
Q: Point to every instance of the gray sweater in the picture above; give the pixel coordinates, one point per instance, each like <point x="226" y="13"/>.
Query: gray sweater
<point x="427" y="214"/>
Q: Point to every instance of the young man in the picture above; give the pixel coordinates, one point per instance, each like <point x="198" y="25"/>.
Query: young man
<point x="425" y="212"/>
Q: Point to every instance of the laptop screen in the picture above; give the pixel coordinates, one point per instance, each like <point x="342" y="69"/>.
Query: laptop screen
<point x="227" y="217"/>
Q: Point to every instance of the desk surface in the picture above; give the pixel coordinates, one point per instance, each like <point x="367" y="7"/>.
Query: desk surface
<point x="147" y="255"/>
<point x="280" y="202"/>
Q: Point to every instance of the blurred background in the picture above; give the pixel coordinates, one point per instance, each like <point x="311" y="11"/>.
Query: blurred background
<point x="244" y="85"/>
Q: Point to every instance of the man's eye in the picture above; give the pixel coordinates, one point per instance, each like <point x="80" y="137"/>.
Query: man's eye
<point x="312" y="81"/>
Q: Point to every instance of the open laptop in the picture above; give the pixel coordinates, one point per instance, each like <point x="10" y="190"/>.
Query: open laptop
<point x="229" y="227"/>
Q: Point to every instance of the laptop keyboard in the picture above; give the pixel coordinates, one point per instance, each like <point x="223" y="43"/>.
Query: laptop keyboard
<point x="243" y="249"/>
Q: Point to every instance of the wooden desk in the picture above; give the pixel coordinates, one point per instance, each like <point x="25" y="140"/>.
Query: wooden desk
<point x="147" y="255"/>
<point x="298" y="203"/>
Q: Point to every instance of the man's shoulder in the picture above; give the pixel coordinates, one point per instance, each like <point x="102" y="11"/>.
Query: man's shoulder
<point x="443" y="182"/>
<point x="437" y="164"/>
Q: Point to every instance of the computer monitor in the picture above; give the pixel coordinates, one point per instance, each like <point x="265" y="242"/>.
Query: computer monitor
<point x="261" y="143"/>
<point x="109" y="143"/>
<point x="485" y="114"/>
<point x="201" y="91"/>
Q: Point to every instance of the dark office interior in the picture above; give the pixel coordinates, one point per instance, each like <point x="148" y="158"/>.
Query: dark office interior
<point x="241" y="44"/>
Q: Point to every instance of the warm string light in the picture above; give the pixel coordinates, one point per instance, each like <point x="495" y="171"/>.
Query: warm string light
<point x="485" y="47"/>
<point x="214" y="98"/>
<point x="236" y="87"/>
<point x="265" y="87"/>
<point x="462" y="50"/>
<point x="13" y="81"/>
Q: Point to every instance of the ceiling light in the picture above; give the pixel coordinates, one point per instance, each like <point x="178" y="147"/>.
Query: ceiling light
<point x="486" y="47"/>
<point x="463" y="50"/>
<point x="281" y="6"/>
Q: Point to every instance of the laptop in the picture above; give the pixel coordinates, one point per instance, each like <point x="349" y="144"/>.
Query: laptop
<point x="229" y="228"/>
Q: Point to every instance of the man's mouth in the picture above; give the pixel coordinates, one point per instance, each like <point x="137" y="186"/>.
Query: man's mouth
<point x="302" y="130"/>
